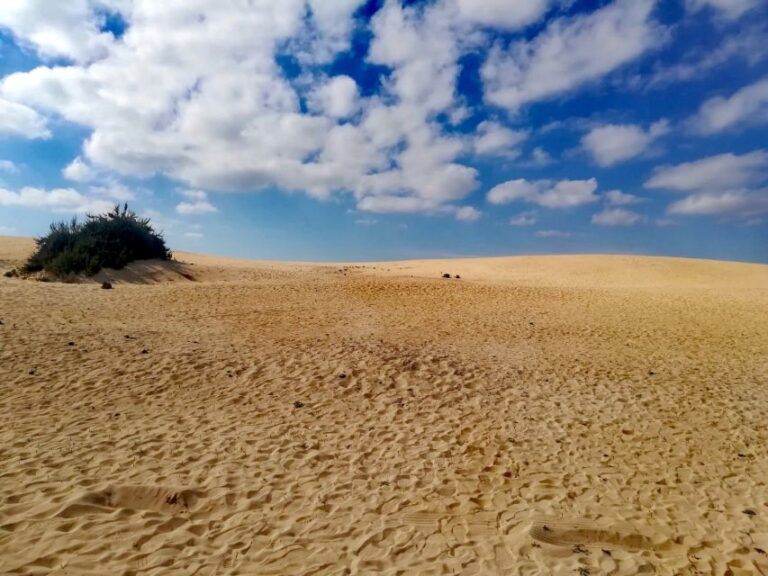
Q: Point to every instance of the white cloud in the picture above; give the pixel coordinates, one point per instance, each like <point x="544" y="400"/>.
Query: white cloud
<point x="616" y="217"/>
<point x="8" y="166"/>
<point x="494" y="139"/>
<point x="503" y="13"/>
<point x="57" y="199"/>
<point x="571" y="52"/>
<point x="366" y="222"/>
<point x="563" y="194"/>
<point x="552" y="234"/>
<point x="468" y="214"/>
<point x="69" y="29"/>
<point x="730" y="9"/>
<point x="112" y="190"/>
<point x="20" y="120"/>
<point x="194" y="235"/>
<point x="198" y="203"/>
<point x="614" y="143"/>
<point x="540" y="157"/>
<point x="528" y="218"/>
<point x="78" y="171"/>
<point x="747" y="106"/>
<point x="203" y="101"/>
<point x="741" y="203"/>
<point x="747" y="45"/>
<point x="619" y="198"/>
<point x="725" y="185"/>
<point x="721" y="172"/>
<point x="338" y="98"/>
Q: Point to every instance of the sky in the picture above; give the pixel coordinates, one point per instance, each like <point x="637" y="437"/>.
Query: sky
<point x="351" y="130"/>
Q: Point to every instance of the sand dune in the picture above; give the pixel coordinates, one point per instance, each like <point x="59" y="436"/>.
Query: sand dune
<point x="542" y="415"/>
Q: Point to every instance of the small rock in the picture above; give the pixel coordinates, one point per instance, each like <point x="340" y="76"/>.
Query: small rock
<point x="1" y="322"/>
<point x="749" y="512"/>
<point x="458" y="277"/>
<point x="651" y="373"/>
<point x="145" y="351"/>
<point x="106" y="285"/>
<point x="298" y="404"/>
<point x="70" y="343"/>
<point x="446" y="275"/>
<point x="32" y="372"/>
<point x="342" y="376"/>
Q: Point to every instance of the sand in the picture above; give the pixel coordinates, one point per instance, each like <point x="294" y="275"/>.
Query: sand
<point x="543" y="415"/>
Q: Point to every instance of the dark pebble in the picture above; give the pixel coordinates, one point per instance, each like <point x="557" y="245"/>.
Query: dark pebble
<point x="106" y="285"/>
<point x="145" y="351"/>
<point x="298" y="404"/>
<point x="70" y="343"/>
<point x="31" y="372"/>
<point x="342" y="376"/>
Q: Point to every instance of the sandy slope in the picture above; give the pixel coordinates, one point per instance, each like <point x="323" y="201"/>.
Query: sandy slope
<point x="544" y="415"/>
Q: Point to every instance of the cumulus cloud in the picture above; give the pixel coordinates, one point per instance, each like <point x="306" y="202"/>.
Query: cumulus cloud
<point x="619" y="198"/>
<point x="197" y="203"/>
<point x="57" y="200"/>
<point x="616" y="217"/>
<point x="338" y="97"/>
<point x="725" y="185"/>
<point x="494" y="139"/>
<point x="570" y="52"/>
<point x="614" y="143"/>
<point x="540" y="158"/>
<point x="748" y="46"/>
<point x="70" y="29"/>
<point x="8" y="166"/>
<point x="204" y="101"/>
<point x="20" y="120"/>
<point x="563" y="194"/>
<point x="747" y="106"/>
<point x="742" y="203"/>
<point x="729" y="9"/>
<point x="721" y="172"/>
<point x="502" y="13"/>
<point x="528" y="218"/>
<point x="78" y="171"/>
<point x="552" y="234"/>
<point x="468" y="214"/>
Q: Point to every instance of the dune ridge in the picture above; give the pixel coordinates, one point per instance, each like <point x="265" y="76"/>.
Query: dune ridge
<point x="543" y="415"/>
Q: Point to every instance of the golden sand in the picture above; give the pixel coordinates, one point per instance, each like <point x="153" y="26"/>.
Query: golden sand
<point x="542" y="415"/>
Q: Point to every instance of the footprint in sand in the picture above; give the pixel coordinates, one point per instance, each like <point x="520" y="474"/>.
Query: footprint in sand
<point x="158" y="499"/>
<point x="589" y="534"/>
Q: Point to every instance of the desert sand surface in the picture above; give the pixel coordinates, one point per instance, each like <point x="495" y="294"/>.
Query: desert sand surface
<point x="576" y="415"/>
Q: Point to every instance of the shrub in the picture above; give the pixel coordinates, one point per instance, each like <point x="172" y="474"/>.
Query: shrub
<point x="109" y="240"/>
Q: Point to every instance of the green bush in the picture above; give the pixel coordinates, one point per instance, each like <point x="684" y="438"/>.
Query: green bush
<point x="103" y="241"/>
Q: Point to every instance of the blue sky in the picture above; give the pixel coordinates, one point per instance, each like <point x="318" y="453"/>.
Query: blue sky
<point x="353" y="130"/>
